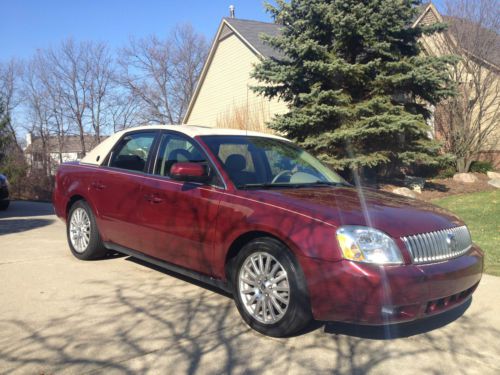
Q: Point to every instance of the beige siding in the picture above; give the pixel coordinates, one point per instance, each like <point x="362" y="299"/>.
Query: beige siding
<point x="226" y="87"/>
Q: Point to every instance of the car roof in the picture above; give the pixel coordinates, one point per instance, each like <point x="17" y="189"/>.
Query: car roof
<point x="99" y="153"/>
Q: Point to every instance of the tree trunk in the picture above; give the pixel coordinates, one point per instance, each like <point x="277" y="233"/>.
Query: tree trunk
<point x="463" y="164"/>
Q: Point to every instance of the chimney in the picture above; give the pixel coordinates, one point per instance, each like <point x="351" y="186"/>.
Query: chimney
<point x="231" y="11"/>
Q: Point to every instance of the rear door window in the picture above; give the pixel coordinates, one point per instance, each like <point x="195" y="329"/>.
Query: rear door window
<point x="133" y="151"/>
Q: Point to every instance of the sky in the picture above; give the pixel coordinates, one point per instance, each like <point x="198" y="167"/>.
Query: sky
<point x="28" y="25"/>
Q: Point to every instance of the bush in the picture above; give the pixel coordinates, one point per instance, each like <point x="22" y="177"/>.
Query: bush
<point x="446" y="172"/>
<point x="481" y="166"/>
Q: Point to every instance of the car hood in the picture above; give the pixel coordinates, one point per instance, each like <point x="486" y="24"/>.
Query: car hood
<point x="396" y="215"/>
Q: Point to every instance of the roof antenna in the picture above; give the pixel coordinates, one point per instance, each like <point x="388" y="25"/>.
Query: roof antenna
<point x="231" y="11"/>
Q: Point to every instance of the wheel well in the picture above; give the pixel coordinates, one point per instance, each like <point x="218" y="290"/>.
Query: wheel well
<point x="241" y="241"/>
<point x="72" y="201"/>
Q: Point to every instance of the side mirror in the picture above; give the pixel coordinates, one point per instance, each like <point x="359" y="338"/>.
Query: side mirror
<point x="191" y="172"/>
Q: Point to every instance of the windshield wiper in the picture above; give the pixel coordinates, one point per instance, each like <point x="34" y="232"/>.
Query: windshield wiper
<point x="329" y="183"/>
<point x="266" y="185"/>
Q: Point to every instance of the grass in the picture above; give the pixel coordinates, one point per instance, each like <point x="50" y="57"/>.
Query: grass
<point x="481" y="213"/>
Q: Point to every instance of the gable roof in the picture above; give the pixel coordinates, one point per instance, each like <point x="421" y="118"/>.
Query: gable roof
<point x="430" y="15"/>
<point x="459" y="26"/>
<point x="251" y="32"/>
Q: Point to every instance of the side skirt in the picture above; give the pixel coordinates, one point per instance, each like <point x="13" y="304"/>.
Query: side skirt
<point x="171" y="267"/>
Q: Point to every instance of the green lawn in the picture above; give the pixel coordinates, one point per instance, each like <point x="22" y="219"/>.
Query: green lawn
<point x="481" y="212"/>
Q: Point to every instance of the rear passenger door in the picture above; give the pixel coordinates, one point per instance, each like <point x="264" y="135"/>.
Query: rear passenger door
<point x="116" y="188"/>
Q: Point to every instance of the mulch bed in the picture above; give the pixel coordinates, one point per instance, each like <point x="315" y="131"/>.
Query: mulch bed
<point x="440" y="188"/>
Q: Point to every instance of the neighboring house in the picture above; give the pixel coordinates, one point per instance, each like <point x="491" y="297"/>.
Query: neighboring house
<point x="47" y="153"/>
<point x="483" y="109"/>
<point x="223" y="96"/>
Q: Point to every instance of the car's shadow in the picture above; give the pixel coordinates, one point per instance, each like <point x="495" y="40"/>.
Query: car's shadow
<point x="386" y="332"/>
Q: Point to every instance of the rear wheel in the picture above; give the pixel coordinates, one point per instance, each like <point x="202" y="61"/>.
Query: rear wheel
<point x="269" y="289"/>
<point x="83" y="236"/>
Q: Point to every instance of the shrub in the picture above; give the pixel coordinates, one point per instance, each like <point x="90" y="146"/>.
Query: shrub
<point x="481" y="166"/>
<point x="447" y="172"/>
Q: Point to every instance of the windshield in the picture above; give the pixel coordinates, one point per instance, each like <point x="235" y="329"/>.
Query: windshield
<point x="269" y="162"/>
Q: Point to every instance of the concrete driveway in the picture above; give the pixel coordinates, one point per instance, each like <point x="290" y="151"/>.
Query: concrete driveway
<point x="61" y="315"/>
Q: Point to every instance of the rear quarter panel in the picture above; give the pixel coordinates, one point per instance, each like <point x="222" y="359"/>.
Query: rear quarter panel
<point x="72" y="179"/>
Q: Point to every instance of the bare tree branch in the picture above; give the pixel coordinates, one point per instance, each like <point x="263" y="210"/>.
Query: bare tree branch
<point x="163" y="73"/>
<point x="469" y="121"/>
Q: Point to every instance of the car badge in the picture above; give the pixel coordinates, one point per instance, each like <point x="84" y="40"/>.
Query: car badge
<point x="451" y="241"/>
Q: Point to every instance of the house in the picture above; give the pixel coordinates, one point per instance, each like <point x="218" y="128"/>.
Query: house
<point x="223" y="96"/>
<point x="46" y="153"/>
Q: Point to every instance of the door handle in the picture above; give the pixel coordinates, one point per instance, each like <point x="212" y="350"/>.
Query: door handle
<point x="98" y="185"/>
<point x="153" y="198"/>
<point x="156" y="199"/>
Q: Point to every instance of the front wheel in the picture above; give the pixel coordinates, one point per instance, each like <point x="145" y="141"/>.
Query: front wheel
<point x="269" y="289"/>
<point x="83" y="237"/>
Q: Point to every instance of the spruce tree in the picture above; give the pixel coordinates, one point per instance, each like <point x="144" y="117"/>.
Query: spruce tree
<point x="356" y="80"/>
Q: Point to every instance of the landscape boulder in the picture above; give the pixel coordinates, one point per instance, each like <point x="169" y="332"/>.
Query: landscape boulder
<point x="493" y="175"/>
<point x="414" y="183"/>
<point x="404" y="192"/>
<point x="495" y="182"/>
<point x="467" y="178"/>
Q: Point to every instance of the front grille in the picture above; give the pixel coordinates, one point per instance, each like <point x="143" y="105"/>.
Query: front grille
<point x="440" y="245"/>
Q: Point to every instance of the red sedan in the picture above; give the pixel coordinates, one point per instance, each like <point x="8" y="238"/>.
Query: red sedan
<point x="254" y="214"/>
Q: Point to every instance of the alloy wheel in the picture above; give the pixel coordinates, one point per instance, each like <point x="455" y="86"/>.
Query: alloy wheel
<point x="79" y="229"/>
<point x="264" y="287"/>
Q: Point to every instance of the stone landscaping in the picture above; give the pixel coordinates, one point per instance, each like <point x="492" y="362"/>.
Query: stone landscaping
<point x="460" y="183"/>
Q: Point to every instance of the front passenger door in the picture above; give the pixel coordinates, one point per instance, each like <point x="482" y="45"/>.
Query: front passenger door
<point x="178" y="219"/>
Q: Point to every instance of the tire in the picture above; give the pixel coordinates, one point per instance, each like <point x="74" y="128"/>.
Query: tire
<point x="279" y="271"/>
<point x="4" y="205"/>
<point x="83" y="236"/>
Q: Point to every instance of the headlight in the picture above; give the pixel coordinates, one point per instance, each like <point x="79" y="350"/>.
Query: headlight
<point x="365" y="244"/>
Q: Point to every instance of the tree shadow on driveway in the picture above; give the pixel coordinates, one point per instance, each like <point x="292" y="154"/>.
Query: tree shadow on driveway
<point x="27" y="209"/>
<point x="22" y="216"/>
<point x="144" y="321"/>
<point x="8" y="226"/>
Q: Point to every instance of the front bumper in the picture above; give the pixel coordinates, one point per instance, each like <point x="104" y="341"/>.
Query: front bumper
<point x="4" y="193"/>
<point x="363" y="293"/>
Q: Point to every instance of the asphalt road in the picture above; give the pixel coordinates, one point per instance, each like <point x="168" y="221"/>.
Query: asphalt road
<point x="61" y="315"/>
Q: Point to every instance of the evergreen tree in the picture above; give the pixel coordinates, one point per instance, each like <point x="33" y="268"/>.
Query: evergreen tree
<point x="356" y="80"/>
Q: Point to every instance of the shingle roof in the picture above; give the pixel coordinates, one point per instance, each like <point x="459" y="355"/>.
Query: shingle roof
<point x="468" y="33"/>
<point x="71" y="144"/>
<point x="252" y="32"/>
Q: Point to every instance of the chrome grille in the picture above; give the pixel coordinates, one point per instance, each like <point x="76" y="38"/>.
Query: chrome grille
<point x="440" y="245"/>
